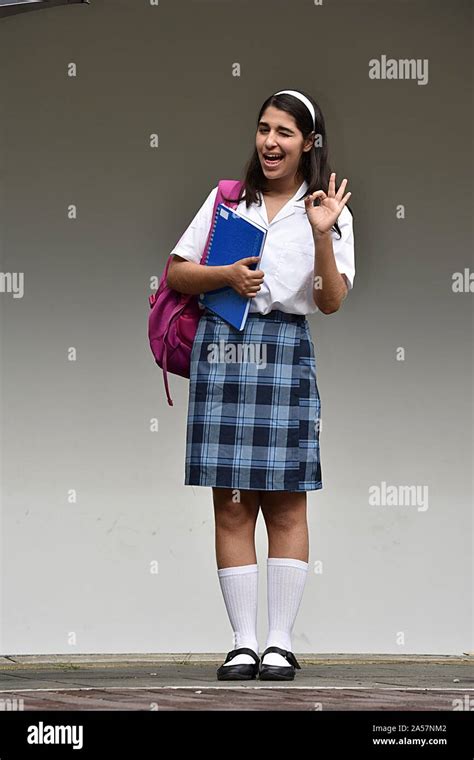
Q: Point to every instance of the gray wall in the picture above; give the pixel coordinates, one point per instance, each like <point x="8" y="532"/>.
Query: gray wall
<point x="77" y="577"/>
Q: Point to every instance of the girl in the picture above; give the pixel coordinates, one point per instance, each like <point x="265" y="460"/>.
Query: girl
<point x="253" y="427"/>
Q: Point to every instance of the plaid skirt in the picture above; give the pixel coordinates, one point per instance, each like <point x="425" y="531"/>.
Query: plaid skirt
<point x="254" y="408"/>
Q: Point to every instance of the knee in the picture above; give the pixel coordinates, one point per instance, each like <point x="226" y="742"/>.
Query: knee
<point x="234" y="516"/>
<point x="283" y="520"/>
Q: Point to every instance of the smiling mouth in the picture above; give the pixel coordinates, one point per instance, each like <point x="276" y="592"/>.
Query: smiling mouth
<point x="270" y="160"/>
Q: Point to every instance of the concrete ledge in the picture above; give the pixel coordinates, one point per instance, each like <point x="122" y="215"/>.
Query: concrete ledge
<point x="92" y="659"/>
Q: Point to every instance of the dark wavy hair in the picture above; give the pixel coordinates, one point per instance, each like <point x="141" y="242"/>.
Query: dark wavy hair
<point x="314" y="163"/>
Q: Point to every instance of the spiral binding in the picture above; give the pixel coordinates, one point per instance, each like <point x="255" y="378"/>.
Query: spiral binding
<point x="213" y="229"/>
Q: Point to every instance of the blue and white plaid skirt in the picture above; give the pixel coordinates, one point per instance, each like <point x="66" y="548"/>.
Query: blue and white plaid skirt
<point x="254" y="407"/>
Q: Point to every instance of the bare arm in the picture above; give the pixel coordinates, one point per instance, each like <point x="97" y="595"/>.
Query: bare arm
<point x="329" y="286"/>
<point x="328" y="299"/>
<point x="191" y="278"/>
<point x="188" y="277"/>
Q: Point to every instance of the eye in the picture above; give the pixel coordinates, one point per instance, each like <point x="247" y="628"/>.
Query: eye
<point x="265" y="129"/>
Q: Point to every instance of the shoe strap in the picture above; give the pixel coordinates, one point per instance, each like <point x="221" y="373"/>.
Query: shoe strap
<point x="242" y="650"/>
<point x="284" y="653"/>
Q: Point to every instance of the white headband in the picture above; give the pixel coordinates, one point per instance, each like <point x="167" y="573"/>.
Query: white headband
<point x="304" y="100"/>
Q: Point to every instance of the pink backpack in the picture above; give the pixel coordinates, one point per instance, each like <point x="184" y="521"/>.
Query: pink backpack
<point x="174" y="316"/>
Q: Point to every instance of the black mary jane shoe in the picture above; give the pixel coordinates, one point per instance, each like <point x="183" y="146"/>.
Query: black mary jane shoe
<point x="244" y="671"/>
<point x="279" y="672"/>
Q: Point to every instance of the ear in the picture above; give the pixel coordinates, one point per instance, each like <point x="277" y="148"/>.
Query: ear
<point x="309" y="143"/>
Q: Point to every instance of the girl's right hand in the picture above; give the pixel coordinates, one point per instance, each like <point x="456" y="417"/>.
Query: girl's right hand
<point x="247" y="282"/>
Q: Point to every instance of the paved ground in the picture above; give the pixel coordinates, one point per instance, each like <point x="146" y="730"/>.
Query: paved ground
<point x="188" y="682"/>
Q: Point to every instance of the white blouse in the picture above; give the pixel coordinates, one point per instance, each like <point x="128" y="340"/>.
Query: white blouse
<point x="288" y="254"/>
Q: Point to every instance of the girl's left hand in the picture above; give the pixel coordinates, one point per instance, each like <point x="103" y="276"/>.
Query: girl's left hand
<point x="322" y="217"/>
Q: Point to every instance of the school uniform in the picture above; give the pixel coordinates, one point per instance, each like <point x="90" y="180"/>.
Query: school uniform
<point x="255" y="424"/>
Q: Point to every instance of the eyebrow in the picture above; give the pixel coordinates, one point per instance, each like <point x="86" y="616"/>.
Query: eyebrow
<point x="280" y="126"/>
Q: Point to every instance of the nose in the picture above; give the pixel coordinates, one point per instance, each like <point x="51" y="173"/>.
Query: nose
<point x="270" y="142"/>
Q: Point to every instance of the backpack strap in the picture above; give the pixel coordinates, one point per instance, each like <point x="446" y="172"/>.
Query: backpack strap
<point x="225" y="187"/>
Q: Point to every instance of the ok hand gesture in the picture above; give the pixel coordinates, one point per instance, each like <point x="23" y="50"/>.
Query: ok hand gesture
<point x="322" y="217"/>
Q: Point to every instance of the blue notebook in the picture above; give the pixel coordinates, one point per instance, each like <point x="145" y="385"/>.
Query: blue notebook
<point x="233" y="237"/>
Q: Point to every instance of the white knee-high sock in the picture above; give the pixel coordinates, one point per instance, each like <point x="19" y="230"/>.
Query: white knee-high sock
<point x="286" y="580"/>
<point x="240" y="590"/>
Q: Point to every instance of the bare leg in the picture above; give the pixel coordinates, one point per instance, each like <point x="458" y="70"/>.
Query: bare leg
<point x="287" y="566"/>
<point x="285" y="517"/>
<point x="236" y="513"/>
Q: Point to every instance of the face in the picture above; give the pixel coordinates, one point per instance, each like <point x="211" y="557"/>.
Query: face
<point x="278" y="134"/>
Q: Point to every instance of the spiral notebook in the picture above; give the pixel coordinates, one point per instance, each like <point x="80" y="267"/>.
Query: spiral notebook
<point x="233" y="237"/>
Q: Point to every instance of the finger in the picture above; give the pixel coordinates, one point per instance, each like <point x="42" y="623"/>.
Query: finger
<point x="248" y="260"/>
<point x="318" y="193"/>
<point x="345" y="199"/>
<point x="342" y="187"/>
<point x="332" y="185"/>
